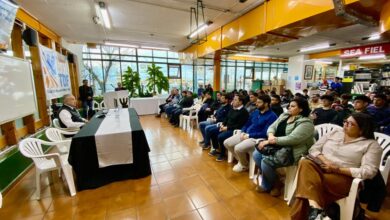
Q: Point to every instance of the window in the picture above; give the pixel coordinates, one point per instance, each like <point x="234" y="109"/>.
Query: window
<point x="142" y="52"/>
<point x="240" y="78"/>
<point x="187" y="77"/>
<point x="112" y="75"/>
<point x="209" y="76"/>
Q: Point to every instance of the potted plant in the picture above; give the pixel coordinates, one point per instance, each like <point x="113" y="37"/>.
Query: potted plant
<point x="131" y="81"/>
<point x="156" y="79"/>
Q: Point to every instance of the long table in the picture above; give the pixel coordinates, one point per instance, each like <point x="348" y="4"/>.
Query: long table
<point x="84" y="160"/>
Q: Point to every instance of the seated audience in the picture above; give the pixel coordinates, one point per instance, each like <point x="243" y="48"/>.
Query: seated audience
<point x="344" y="109"/>
<point x="251" y="105"/>
<point x="275" y="105"/>
<point x="360" y="103"/>
<point x="68" y="115"/>
<point x="315" y="102"/>
<point x="325" y="114"/>
<point x="209" y="126"/>
<point x="172" y="99"/>
<point x="255" y="128"/>
<point x="286" y="97"/>
<point x="337" y="158"/>
<point x="187" y="102"/>
<point x="170" y="108"/>
<point x="235" y="119"/>
<point x="305" y="95"/>
<point x="207" y="101"/>
<point x="337" y="85"/>
<point x="380" y="112"/>
<point x="293" y="130"/>
<point x="214" y="106"/>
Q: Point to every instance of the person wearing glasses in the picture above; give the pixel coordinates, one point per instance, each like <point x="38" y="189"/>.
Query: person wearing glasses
<point x="337" y="157"/>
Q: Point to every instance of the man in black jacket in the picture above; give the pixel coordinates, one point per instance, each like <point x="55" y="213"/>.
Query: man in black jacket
<point x="86" y="98"/>
<point x="275" y="105"/>
<point x="235" y="119"/>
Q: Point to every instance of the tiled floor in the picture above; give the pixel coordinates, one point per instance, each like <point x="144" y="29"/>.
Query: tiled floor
<point x="186" y="184"/>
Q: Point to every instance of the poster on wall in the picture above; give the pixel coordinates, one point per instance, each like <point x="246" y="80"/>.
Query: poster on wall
<point x="7" y="18"/>
<point x="55" y="71"/>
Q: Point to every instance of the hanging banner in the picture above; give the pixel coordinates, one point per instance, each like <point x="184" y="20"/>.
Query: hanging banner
<point x="55" y="71"/>
<point x="365" y="50"/>
<point x="7" y="18"/>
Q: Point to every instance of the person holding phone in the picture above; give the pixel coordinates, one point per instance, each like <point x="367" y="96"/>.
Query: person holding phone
<point x="342" y="156"/>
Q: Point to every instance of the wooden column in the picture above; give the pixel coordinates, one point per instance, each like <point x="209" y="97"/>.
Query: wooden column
<point x="29" y="122"/>
<point x="17" y="41"/>
<point x="9" y="131"/>
<point x="217" y="71"/>
<point x="39" y="85"/>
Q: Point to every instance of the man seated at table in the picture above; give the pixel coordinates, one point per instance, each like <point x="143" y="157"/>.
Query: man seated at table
<point x="68" y="115"/>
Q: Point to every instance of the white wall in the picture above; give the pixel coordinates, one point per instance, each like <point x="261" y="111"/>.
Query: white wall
<point x="76" y="49"/>
<point x="296" y="66"/>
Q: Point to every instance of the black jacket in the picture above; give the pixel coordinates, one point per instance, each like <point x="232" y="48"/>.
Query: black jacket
<point x="374" y="192"/>
<point x="84" y="92"/>
<point x="236" y="119"/>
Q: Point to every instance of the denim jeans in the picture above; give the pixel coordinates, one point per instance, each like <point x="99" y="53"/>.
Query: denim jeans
<point x="87" y="106"/>
<point x="210" y="132"/>
<point x="268" y="173"/>
<point x="202" y="128"/>
<point x="221" y="138"/>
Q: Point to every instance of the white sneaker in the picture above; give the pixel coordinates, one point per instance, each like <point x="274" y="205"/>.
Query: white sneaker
<point x="239" y="168"/>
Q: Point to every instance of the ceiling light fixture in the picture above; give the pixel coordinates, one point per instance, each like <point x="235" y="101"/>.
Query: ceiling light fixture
<point x="252" y="56"/>
<point x="373" y="57"/>
<point x="101" y="11"/>
<point x="324" y="62"/>
<point x="316" y="47"/>
<point x="198" y="30"/>
<point x="155" y="48"/>
<point x="120" y="44"/>
<point x="376" y="36"/>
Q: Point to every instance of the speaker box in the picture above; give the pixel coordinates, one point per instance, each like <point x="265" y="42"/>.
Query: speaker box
<point x="30" y="36"/>
<point x="70" y="58"/>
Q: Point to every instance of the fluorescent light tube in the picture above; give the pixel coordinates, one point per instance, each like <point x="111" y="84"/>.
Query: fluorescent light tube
<point x="198" y="30"/>
<point x="372" y="57"/>
<point x="120" y="45"/>
<point x="101" y="6"/>
<point x="323" y="62"/>
<point x="155" y="48"/>
<point x="317" y="47"/>
<point x="374" y="37"/>
<point x="252" y="56"/>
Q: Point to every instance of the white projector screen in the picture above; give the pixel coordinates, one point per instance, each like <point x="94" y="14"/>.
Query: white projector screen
<point x="16" y="89"/>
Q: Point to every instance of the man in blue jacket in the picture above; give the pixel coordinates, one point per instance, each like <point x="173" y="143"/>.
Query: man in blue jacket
<point x="256" y="127"/>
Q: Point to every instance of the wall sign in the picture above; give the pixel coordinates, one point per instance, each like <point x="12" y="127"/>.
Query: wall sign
<point x="365" y="50"/>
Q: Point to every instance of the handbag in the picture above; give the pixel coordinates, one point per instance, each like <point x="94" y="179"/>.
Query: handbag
<point x="277" y="156"/>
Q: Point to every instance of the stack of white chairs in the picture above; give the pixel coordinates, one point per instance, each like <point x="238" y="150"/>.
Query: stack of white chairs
<point x="102" y="105"/>
<point x="56" y="123"/>
<point x="32" y="148"/>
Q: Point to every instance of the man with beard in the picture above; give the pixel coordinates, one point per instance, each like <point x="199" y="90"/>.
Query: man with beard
<point x="256" y="127"/>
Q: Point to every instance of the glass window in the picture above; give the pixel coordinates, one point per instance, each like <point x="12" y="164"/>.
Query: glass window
<point x="112" y="74"/>
<point x="274" y="74"/>
<point x="159" y="53"/>
<point x="210" y="62"/>
<point x="143" y="72"/>
<point x="265" y="71"/>
<point x="173" y="61"/>
<point x="240" y="78"/>
<point x="200" y="71"/>
<point x="173" y="83"/>
<point x="240" y="63"/>
<point x="159" y="60"/>
<point x="231" y="63"/>
<point x="19" y="123"/>
<point x="132" y="65"/>
<point x="173" y="54"/>
<point x="209" y="77"/>
<point x="96" y="56"/>
<point x="164" y="68"/>
<point x="110" y="57"/>
<point x="128" y="58"/>
<point x="223" y="78"/>
<point x="231" y="71"/>
<point x="110" y="50"/>
<point x="145" y="59"/>
<point x="187" y="77"/>
<point x="257" y="73"/>
<point x="142" y="52"/>
<point x="249" y="63"/>
<point x="95" y="76"/>
<point x="95" y="50"/>
<point x="128" y="51"/>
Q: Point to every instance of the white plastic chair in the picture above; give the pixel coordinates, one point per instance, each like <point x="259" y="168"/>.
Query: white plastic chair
<point x="1" y="200"/>
<point x="96" y="105"/>
<point x="102" y="105"/>
<point x="56" y="123"/>
<point x="32" y="148"/>
<point x="185" y="120"/>
<point x="384" y="142"/>
<point x="323" y="129"/>
<point x="57" y="135"/>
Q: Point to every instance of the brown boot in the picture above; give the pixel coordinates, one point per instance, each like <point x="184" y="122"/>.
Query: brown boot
<point x="158" y="116"/>
<point x="275" y="192"/>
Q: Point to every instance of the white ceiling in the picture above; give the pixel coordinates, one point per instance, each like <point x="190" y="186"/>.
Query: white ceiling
<point x="350" y="36"/>
<point x="164" y="23"/>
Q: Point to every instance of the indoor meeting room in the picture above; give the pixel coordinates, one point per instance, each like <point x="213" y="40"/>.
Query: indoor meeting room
<point x="194" y="109"/>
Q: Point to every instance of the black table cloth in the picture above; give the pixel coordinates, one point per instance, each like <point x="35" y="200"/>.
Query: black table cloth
<point x="84" y="160"/>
